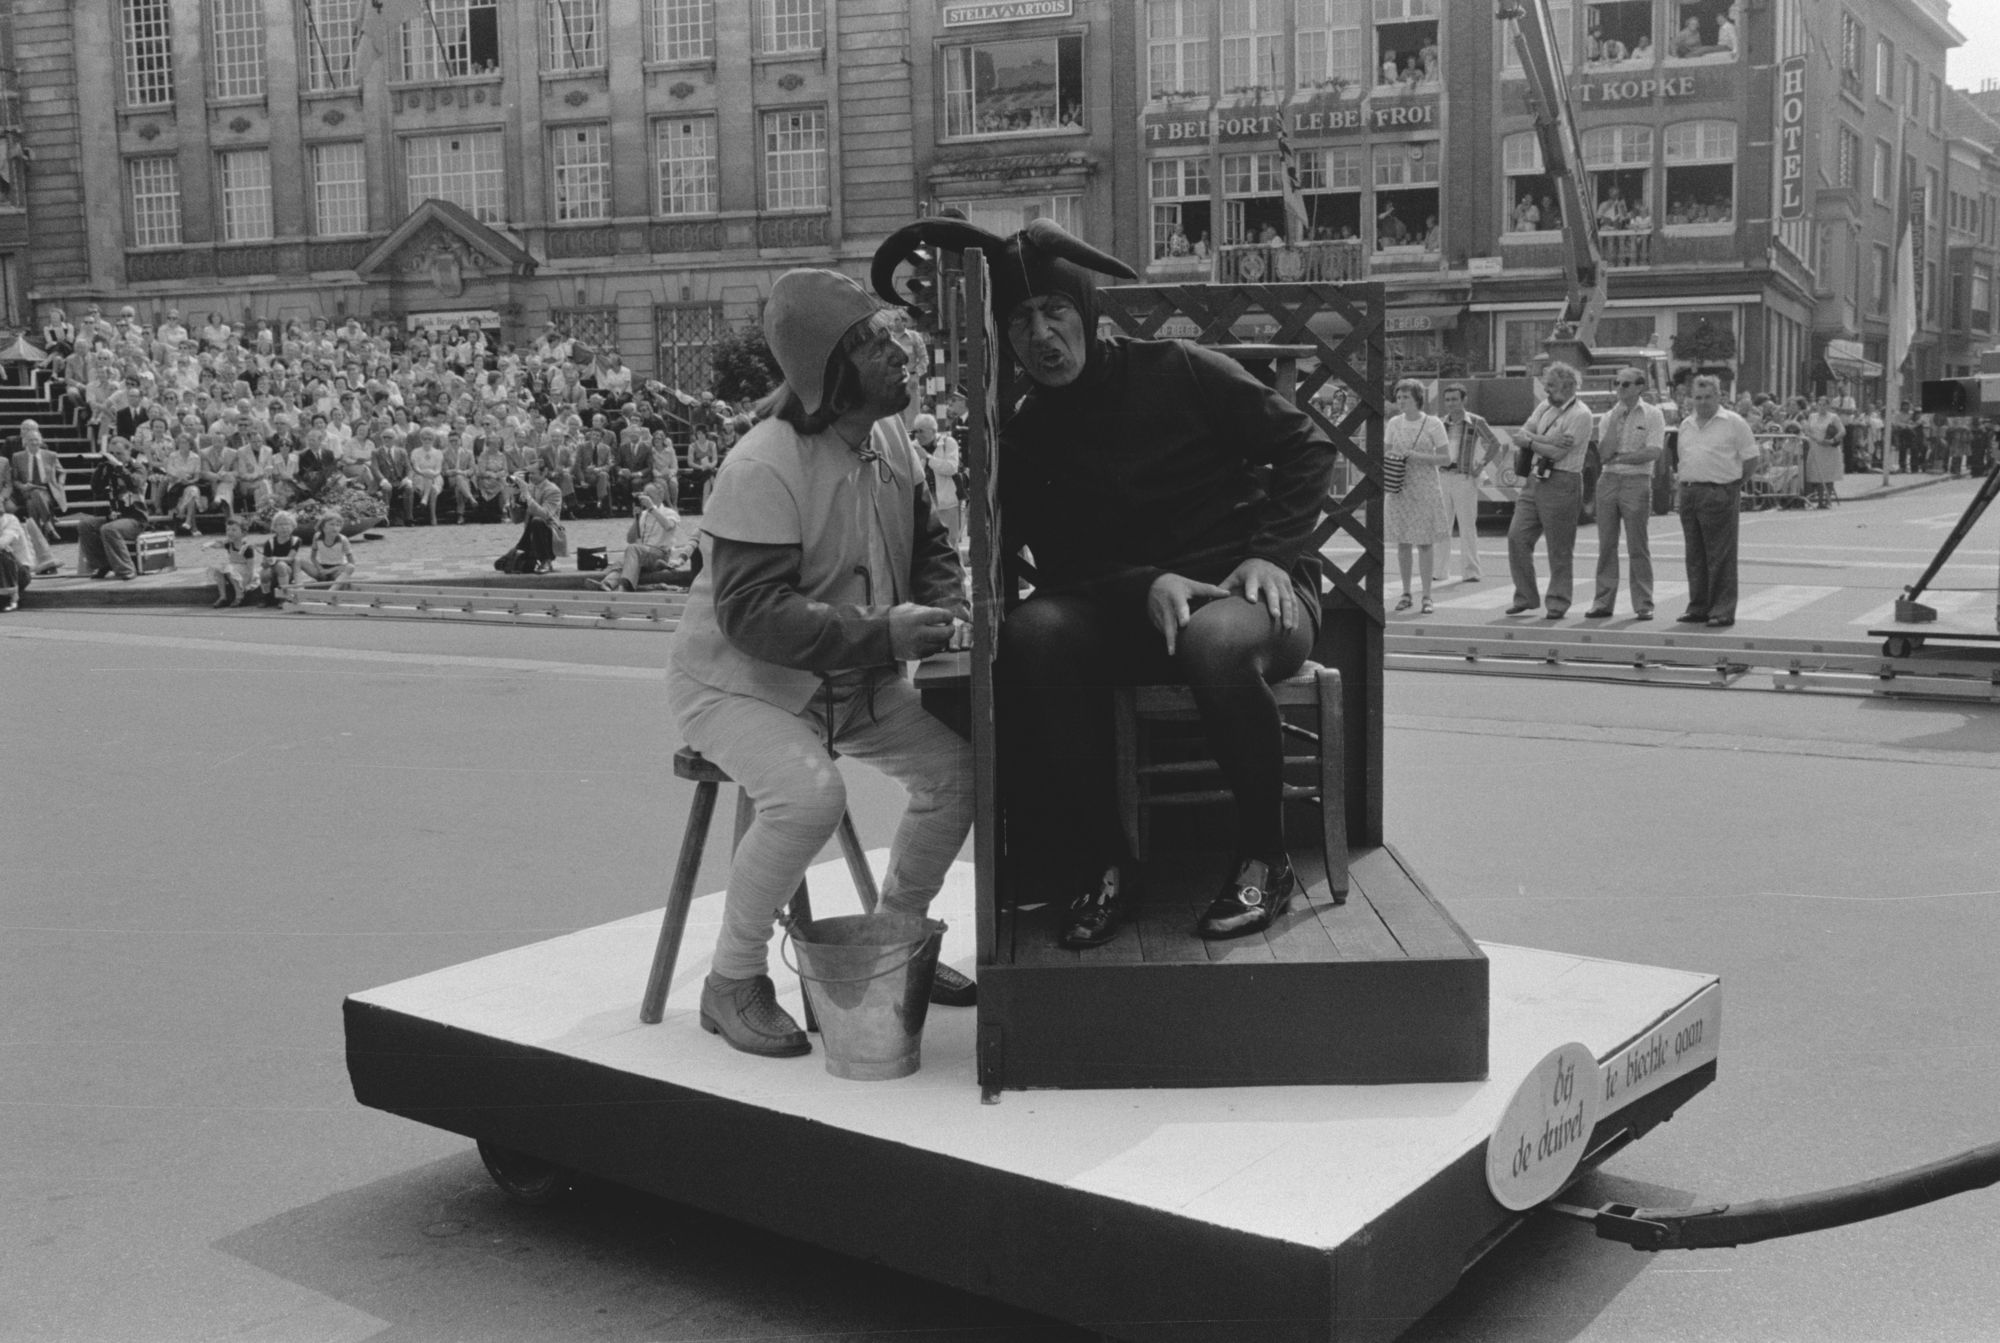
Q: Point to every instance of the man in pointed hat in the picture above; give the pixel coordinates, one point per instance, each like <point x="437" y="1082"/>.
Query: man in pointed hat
<point x="825" y="571"/>
<point x="1168" y="498"/>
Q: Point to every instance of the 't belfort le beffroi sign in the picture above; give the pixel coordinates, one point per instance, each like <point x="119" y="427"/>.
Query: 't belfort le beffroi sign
<point x="1333" y="116"/>
<point x="1319" y="119"/>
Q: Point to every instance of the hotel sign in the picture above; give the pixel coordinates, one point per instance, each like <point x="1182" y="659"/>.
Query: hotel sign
<point x="1792" y="138"/>
<point x="1319" y="120"/>
<point x="1006" y="11"/>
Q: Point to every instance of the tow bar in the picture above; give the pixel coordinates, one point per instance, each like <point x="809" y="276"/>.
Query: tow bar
<point x="1726" y="1225"/>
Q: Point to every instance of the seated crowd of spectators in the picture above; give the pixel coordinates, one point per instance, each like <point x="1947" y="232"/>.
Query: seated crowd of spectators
<point x="257" y="419"/>
<point x="361" y="420"/>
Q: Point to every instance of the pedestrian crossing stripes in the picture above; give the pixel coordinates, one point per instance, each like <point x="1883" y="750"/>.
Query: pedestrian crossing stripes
<point x="1779" y="600"/>
<point x="1946" y="604"/>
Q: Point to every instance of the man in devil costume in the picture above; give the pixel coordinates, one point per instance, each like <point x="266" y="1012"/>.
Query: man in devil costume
<point x="1167" y="499"/>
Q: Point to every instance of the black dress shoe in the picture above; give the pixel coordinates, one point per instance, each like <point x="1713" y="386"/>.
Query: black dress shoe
<point x="1594" y="614"/>
<point x="1692" y="618"/>
<point x="1256" y="895"/>
<point x="1721" y="622"/>
<point x="1092" y="918"/>
<point x="1519" y="607"/>
<point x="1642" y="615"/>
<point x="1556" y="615"/>
<point x="951" y="989"/>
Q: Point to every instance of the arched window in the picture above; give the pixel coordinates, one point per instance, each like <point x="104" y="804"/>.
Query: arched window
<point x="1700" y="158"/>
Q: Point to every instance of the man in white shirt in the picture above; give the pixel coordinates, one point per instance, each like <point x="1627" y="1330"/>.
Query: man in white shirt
<point x="1630" y="439"/>
<point x="1714" y="444"/>
<point x="1474" y="445"/>
<point x="1551" y="498"/>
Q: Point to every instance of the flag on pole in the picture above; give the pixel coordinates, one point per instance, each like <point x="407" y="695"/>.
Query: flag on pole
<point x="1297" y="223"/>
<point x="1902" y="280"/>
<point x="377" y="27"/>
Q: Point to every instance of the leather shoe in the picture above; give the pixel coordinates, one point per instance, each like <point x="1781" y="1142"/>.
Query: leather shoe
<point x="1721" y="622"/>
<point x="1642" y="615"/>
<point x="745" y="1012"/>
<point x="1594" y="614"/>
<point x="951" y="989"/>
<point x="1556" y="615"/>
<point x="1256" y="895"/>
<point x="1092" y="919"/>
<point x="1691" y="618"/>
<point x="1518" y="607"/>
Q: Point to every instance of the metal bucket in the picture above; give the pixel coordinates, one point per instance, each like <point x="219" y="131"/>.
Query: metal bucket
<point x="868" y="977"/>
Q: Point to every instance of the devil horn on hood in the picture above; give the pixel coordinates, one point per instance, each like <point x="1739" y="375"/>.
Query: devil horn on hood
<point x="1045" y="235"/>
<point x="902" y="245"/>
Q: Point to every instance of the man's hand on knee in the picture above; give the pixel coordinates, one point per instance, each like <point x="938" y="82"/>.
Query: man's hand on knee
<point x="1169" y="604"/>
<point x="1265" y="583"/>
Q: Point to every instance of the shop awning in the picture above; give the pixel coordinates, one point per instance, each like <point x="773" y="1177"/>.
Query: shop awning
<point x="1846" y="360"/>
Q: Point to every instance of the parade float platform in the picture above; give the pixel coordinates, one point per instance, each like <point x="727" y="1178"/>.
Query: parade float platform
<point x="1273" y="1213"/>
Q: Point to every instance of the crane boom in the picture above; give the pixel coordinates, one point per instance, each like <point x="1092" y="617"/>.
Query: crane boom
<point x="1562" y="159"/>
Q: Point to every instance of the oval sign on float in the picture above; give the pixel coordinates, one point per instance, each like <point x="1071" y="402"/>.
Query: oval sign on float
<point x="1540" y="1139"/>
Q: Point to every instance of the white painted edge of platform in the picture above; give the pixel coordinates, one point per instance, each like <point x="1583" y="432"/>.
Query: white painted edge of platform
<point x="1307" y="1165"/>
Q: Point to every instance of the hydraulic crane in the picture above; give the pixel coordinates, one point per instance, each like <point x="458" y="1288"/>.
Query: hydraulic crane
<point x="1562" y="160"/>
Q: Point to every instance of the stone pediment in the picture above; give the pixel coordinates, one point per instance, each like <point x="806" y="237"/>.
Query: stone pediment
<point x="442" y="244"/>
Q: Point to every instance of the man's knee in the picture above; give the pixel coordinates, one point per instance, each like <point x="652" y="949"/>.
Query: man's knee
<point x="1045" y="634"/>
<point x="805" y="795"/>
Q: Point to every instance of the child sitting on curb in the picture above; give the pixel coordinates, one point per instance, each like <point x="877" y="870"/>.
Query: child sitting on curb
<point x="281" y="558"/>
<point x="239" y="561"/>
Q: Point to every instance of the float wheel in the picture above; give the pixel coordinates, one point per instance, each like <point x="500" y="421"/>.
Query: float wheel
<point x="526" y="1179"/>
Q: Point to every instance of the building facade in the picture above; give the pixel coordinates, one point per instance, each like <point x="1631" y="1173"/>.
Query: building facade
<point x="638" y="170"/>
<point x="1711" y="156"/>
<point x="1972" y="233"/>
<point x="1020" y="110"/>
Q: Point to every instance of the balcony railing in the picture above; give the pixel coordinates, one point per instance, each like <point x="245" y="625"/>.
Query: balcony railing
<point x="792" y="231"/>
<point x="1306" y="262"/>
<point x="1622" y="247"/>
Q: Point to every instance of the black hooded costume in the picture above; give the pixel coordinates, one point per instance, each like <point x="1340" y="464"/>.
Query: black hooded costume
<point x="1162" y="457"/>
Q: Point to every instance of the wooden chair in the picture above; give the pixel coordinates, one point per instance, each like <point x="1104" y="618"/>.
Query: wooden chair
<point x="1138" y="773"/>
<point x="708" y="780"/>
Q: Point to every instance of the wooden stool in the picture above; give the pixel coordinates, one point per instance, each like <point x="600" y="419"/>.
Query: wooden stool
<point x="708" y="780"/>
<point x="1313" y="685"/>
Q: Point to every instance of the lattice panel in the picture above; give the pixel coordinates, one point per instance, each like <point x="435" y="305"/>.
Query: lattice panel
<point x="1352" y="356"/>
<point x="684" y="334"/>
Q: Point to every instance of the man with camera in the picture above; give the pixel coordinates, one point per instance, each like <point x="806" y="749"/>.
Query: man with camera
<point x="1553" y="445"/>
<point x="826" y="570"/>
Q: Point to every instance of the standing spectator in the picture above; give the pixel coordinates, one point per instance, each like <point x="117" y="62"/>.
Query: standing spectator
<point x="1551" y="496"/>
<point x="37" y="475"/>
<point x="941" y="457"/>
<point x="1415" y="516"/>
<point x="1473" y="446"/>
<point x="1904" y="434"/>
<point x="1826" y="436"/>
<point x="1630" y="439"/>
<point x="1715" y="446"/>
